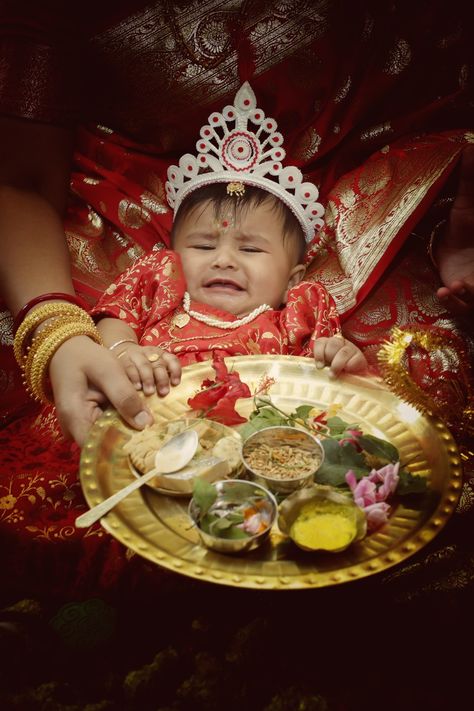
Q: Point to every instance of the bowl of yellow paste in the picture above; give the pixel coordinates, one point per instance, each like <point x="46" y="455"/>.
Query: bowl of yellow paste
<point x="283" y="459"/>
<point x="320" y="518"/>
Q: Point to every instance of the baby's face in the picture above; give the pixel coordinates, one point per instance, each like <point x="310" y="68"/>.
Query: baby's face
<point x="236" y="263"/>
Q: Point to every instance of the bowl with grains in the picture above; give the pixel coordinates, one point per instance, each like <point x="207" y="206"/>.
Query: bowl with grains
<point x="282" y="458"/>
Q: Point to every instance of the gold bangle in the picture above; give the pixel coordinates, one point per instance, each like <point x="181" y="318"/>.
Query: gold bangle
<point x="41" y="337"/>
<point x="434" y="236"/>
<point x="40" y="314"/>
<point x="35" y="377"/>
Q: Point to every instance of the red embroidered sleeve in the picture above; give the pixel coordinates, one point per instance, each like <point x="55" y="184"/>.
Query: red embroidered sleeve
<point x="152" y="284"/>
<point x="310" y="313"/>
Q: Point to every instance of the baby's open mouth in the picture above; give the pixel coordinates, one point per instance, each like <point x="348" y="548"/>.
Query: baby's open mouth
<point x="223" y="284"/>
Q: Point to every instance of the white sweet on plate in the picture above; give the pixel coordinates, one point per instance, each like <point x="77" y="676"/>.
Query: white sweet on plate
<point x="217" y="455"/>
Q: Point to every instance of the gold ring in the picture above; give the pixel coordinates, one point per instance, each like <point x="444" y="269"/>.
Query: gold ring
<point x="153" y="357"/>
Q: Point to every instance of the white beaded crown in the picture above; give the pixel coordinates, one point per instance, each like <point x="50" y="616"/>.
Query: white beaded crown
<point x="242" y="145"/>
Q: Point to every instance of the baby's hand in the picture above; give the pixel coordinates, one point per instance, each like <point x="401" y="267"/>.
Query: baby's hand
<point x="150" y="367"/>
<point x="340" y="354"/>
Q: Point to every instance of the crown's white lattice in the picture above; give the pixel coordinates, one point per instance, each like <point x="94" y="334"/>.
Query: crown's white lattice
<point x="241" y="144"/>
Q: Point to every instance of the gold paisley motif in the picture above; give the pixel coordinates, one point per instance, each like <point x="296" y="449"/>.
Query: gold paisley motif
<point x="153" y="203"/>
<point x="425" y="297"/>
<point x="330" y="215"/>
<point x="399" y="58"/>
<point x="104" y="129"/>
<point x="376" y="179"/>
<point x="348" y="198"/>
<point x="307" y="145"/>
<point x="343" y="91"/>
<point x="376" y="131"/>
<point x="355" y="222"/>
<point x="6" y="328"/>
<point x="154" y="184"/>
<point x="375" y="314"/>
<point x="132" y="215"/>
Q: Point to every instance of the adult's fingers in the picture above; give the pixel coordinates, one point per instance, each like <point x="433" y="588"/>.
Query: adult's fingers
<point x="458" y="298"/>
<point x="77" y="407"/>
<point x="112" y="381"/>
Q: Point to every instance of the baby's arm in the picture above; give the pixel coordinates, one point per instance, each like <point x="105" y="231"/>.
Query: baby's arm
<point x="147" y="367"/>
<point x="340" y="354"/>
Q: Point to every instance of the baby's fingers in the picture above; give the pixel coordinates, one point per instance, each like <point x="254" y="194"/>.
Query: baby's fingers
<point x="173" y="367"/>
<point x="348" y="359"/>
<point x="321" y="350"/>
<point x="133" y="375"/>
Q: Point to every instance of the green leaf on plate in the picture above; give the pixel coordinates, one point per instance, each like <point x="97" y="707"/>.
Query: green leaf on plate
<point x="379" y="447"/>
<point x="302" y="412"/>
<point x="337" y="426"/>
<point x="204" y="495"/>
<point x="338" y="459"/>
<point x="218" y="524"/>
<point x="240" y="494"/>
<point x="264" y="417"/>
<point x="234" y="533"/>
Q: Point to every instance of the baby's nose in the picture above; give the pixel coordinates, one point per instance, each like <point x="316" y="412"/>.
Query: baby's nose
<point x="225" y="257"/>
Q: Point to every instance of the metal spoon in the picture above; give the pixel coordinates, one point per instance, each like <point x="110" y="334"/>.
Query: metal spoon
<point x="174" y="455"/>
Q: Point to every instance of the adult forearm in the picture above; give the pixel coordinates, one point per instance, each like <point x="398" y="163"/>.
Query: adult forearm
<point x="34" y="254"/>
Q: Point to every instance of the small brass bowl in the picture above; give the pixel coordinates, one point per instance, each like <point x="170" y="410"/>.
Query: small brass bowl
<point x="224" y="493"/>
<point x="274" y="437"/>
<point x="325" y="500"/>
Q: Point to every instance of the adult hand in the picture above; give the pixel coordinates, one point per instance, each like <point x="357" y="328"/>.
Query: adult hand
<point x="84" y="377"/>
<point x="455" y="259"/>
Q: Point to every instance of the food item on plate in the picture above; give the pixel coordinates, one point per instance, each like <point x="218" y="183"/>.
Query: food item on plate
<point x="217" y="455"/>
<point x="323" y="525"/>
<point x="282" y="458"/>
<point x="320" y="518"/>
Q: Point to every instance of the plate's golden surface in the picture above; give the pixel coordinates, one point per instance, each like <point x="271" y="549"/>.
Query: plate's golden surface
<point x="158" y="528"/>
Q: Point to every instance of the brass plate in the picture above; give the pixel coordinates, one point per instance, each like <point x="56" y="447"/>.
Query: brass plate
<point x="158" y="528"/>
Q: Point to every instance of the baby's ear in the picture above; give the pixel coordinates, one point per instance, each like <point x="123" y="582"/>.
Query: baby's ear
<point x="295" y="276"/>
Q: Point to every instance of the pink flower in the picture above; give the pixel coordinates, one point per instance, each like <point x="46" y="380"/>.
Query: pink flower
<point x="388" y="476"/>
<point x="377" y="514"/>
<point x="363" y="491"/>
<point x="371" y="491"/>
